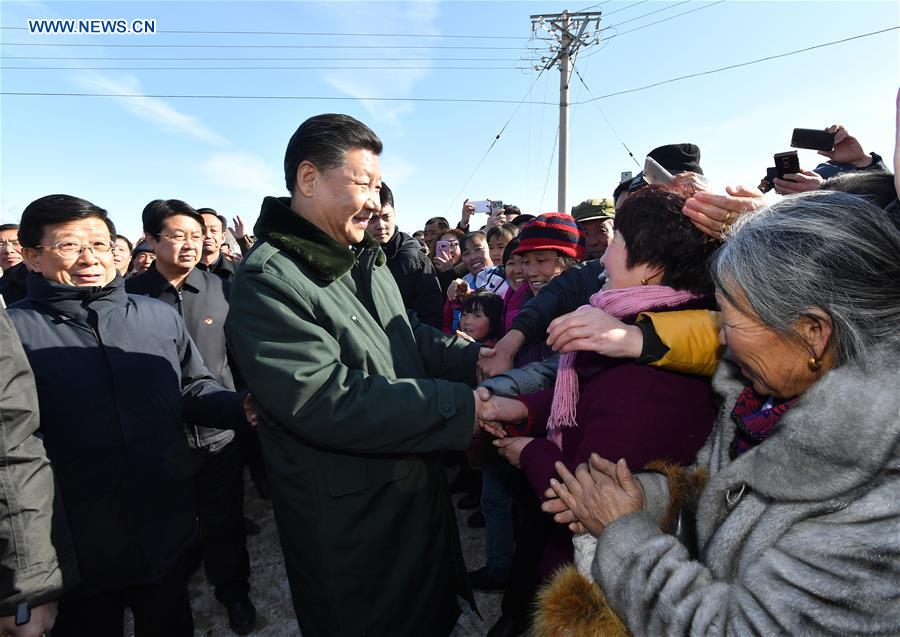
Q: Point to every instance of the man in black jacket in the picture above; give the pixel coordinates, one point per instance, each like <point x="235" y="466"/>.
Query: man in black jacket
<point x="176" y="232"/>
<point x="213" y="259"/>
<point x="116" y="376"/>
<point x="412" y="269"/>
<point x="12" y="283"/>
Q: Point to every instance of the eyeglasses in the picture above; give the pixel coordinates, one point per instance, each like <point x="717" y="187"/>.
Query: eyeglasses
<point x="181" y="237"/>
<point x="453" y="244"/>
<point x="71" y="249"/>
<point x="10" y="244"/>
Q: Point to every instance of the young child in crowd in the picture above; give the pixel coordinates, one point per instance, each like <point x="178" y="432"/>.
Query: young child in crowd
<point x="481" y="319"/>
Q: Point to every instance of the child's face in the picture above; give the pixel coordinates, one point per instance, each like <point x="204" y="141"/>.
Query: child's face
<point x="495" y="248"/>
<point x="474" y="323"/>
<point x="475" y="255"/>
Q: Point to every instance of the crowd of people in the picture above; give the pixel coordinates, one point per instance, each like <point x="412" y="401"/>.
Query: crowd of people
<point x="673" y="411"/>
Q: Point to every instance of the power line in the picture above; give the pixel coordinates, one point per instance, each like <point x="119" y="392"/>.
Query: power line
<point x="630" y="6"/>
<point x="666" y="8"/>
<point x="549" y="168"/>
<point x="448" y="100"/>
<point x="272" y="46"/>
<point x="323" y="34"/>
<point x="735" y="66"/>
<point x="494" y="142"/>
<point x="257" y="68"/>
<point x="672" y="17"/>
<point x="605" y="119"/>
<point x="258" y="59"/>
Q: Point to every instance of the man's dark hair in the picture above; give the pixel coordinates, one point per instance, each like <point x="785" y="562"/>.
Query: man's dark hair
<point x="658" y="234"/>
<point x="323" y="141"/>
<point x="875" y="185"/>
<point x="54" y="209"/>
<point x="157" y="211"/>
<point x="127" y="242"/>
<point x="221" y="218"/>
<point x="9" y="226"/>
<point x="511" y="210"/>
<point x="442" y="223"/>
<point x="387" y="196"/>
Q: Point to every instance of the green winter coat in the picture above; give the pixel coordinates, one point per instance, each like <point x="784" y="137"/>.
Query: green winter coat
<point x="352" y="417"/>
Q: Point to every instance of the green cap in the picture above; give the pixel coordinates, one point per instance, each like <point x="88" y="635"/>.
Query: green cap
<point x="593" y="209"/>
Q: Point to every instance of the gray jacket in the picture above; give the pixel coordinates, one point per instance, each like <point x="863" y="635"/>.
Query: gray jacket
<point x="798" y="536"/>
<point x="37" y="561"/>
<point x="528" y="379"/>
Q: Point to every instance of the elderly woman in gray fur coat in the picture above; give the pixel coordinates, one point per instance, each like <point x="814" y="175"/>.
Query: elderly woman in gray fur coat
<point x="794" y="501"/>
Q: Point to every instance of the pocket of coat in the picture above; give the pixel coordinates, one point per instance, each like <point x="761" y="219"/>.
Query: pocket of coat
<point x="347" y="478"/>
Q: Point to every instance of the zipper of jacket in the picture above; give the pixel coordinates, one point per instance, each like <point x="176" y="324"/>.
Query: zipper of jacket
<point x="178" y="302"/>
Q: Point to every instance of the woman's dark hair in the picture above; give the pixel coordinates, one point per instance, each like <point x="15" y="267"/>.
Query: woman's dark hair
<point x="511" y="210"/>
<point x="658" y="234"/>
<point x="522" y="220"/>
<point x="875" y="185"/>
<point x="508" y="250"/>
<point x="491" y="305"/>
<point x="507" y="231"/>
<point x="54" y="209"/>
<point x="157" y="211"/>
<point x="387" y="196"/>
<point x="324" y="141"/>
<point x="471" y="236"/>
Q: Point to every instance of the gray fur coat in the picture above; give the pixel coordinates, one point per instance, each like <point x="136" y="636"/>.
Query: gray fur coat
<point x="799" y="536"/>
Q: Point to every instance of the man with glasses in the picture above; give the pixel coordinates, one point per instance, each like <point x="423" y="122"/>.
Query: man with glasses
<point x="116" y="375"/>
<point x="213" y="257"/>
<point x="176" y="232"/>
<point x="12" y="282"/>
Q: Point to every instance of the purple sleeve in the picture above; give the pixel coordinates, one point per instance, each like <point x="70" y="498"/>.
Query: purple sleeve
<point x="537" y="462"/>
<point x="538" y="404"/>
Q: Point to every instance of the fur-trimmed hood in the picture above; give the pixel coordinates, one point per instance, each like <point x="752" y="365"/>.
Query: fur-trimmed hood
<point x="288" y="231"/>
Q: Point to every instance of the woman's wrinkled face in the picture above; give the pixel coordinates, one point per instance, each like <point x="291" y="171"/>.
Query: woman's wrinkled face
<point x="540" y="266"/>
<point x="475" y="255"/>
<point x="774" y="364"/>
<point x="515" y="273"/>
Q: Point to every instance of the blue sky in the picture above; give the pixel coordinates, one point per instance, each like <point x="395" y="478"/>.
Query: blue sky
<point x="121" y="152"/>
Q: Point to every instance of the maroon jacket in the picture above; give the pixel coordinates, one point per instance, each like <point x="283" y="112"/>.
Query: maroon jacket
<point x="624" y="410"/>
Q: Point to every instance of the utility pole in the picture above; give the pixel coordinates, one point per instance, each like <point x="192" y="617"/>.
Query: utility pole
<point x="568" y="31"/>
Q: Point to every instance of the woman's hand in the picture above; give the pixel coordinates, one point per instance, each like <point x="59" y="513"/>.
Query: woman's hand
<point x="443" y="262"/>
<point x="713" y="214"/>
<point x="591" y="329"/>
<point x="599" y="493"/>
<point x="512" y="448"/>
<point x="847" y="149"/>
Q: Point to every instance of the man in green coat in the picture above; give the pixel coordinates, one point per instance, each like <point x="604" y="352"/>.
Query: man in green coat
<point x="356" y="398"/>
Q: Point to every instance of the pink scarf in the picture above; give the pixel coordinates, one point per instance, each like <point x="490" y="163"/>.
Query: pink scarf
<point x="618" y="303"/>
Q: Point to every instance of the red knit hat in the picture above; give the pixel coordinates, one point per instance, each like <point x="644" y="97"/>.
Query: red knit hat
<point x="552" y="231"/>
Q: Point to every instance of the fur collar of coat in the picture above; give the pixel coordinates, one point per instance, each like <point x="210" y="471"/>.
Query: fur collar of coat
<point x="326" y="258"/>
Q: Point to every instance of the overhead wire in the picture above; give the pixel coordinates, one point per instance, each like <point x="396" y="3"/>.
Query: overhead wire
<point x="739" y="65"/>
<point x="256" y="68"/>
<point x="602" y="114"/>
<point x="672" y="17"/>
<point x="494" y="142"/>
<point x="259" y="59"/>
<point x="666" y="8"/>
<point x="549" y="168"/>
<point x="266" y="46"/>
<point x="322" y="34"/>
<point x="630" y="6"/>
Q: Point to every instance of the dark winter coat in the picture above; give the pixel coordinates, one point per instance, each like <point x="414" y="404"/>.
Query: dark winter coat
<point x="116" y="376"/>
<point x="416" y="278"/>
<point x="202" y="302"/>
<point x="37" y="559"/>
<point x="12" y="284"/>
<point x="222" y="268"/>
<point x="352" y="412"/>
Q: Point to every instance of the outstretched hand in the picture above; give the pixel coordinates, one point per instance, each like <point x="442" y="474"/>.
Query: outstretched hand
<point x="599" y="493"/>
<point x="713" y="214"/>
<point x="593" y="330"/>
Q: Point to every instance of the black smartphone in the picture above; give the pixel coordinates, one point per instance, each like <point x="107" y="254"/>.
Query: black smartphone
<point x="812" y="139"/>
<point x="786" y="163"/>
